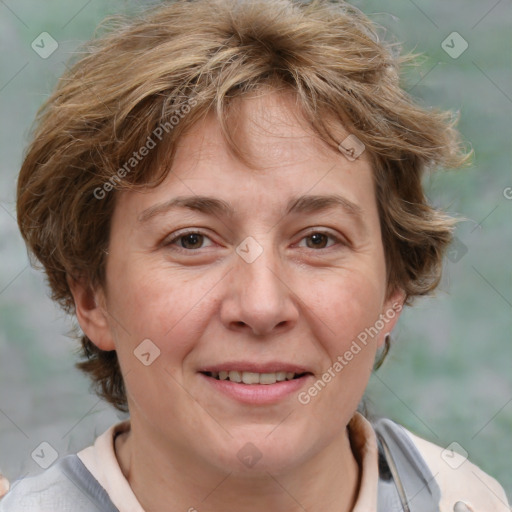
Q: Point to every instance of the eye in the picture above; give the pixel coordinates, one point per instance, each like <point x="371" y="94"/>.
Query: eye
<point x="189" y="241"/>
<point x="319" y="240"/>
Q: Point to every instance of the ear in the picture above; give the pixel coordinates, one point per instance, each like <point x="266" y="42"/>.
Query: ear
<point x="91" y="313"/>
<point x="391" y="310"/>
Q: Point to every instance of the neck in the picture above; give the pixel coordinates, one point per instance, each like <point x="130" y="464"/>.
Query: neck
<point x="160" y="475"/>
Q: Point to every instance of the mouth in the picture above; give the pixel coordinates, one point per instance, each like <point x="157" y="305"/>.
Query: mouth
<point x="254" y="378"/>
<point x="253" y="383"/>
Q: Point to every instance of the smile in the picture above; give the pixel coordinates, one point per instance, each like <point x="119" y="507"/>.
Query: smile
<point x="253" y="377"/>
<point x="255" y="388"/>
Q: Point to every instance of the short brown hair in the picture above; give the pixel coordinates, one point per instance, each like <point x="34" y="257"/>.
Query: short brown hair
<point x="188" y="58"/>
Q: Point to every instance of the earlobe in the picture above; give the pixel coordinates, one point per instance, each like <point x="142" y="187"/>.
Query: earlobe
<point x="91" y="313"/>
<point x="391" y="311"/>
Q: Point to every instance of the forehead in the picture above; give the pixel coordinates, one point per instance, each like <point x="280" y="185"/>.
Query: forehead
<point x="287" y="160"/>
<point x="269" y="128"/>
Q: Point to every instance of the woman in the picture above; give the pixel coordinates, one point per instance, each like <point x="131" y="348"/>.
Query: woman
<point x="228" y="196"/>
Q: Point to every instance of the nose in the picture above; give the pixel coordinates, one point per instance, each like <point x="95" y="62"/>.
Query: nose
<point x="259" y="297"/>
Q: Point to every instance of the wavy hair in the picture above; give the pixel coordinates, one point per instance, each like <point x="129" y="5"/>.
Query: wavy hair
<point x="185" y="59"/>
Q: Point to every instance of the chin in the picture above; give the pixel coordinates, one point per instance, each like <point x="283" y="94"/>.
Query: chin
<point x="261" y="452"/>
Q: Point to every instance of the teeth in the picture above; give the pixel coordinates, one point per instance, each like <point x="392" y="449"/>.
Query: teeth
<point x="268" y="378"/>
<point x="235" y="376"/>
<point x="282" y="376"/>
<point x="252" y="377"/>
<point x="249" y="377"/>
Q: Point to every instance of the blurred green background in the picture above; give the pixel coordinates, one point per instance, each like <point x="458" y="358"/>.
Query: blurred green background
<point x="448" y="377"/>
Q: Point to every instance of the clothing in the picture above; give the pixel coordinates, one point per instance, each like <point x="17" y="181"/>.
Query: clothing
<point x="393" y="462"/>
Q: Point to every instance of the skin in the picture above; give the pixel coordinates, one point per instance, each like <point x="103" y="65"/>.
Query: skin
<point x="200" y="303"/>
<point x="4" y="486"/>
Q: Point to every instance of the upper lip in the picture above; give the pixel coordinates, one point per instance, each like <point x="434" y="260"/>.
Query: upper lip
<point x="248" y="366"/>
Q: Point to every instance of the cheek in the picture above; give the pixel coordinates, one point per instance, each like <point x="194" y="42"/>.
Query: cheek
<point x="155" y="304"/>
<point x="151" y="302"/>
<point x="346" y="306"/>
<point x="345" y="312"/>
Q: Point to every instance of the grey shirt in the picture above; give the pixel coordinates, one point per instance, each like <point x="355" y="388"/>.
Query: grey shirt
<point x="405" y="482"/>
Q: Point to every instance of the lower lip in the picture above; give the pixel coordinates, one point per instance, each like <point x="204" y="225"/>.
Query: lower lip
<point x="258" y="393"/>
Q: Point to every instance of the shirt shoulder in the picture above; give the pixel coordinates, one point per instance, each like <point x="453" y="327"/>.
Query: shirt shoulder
<point x="67" y="486"/>
<point x="461" y="480"/>
<point x="450" y="478"/>
<point x="101" y="461"/>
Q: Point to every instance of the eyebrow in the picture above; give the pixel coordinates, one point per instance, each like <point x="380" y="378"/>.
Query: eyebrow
<point x="202" y="204"/>
<point x="306" y="204"/>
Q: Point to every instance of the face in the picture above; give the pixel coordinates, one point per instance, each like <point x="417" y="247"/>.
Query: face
<point x="224" y="268"/>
